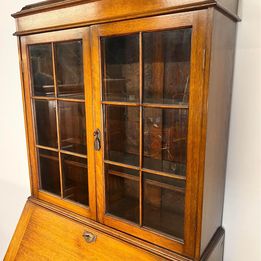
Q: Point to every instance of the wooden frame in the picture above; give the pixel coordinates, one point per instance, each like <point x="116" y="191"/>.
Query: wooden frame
<point x="213" y="24"/>
<point x="74" y="34"/>
<point x="195" y="21"/>
<point x="36" y="18"/>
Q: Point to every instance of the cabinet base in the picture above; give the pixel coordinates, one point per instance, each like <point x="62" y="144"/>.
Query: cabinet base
<point x="50" y="233"/>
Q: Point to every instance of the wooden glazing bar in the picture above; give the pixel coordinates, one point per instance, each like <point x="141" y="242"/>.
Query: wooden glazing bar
<point x="121" y="165"/>
<point x="165" y="106"/>
<point x="147" y="105"/>
<point x="155" y="172"/>
<point x="71" y="100"/>
<point x="46" y="148"/>
<point x="43" y="98"/>
<point x="148" y="181"/>
<point x="56" y="98"/>
<point x="104" y="72"/>
<point x="73" y="154"/>
<point x="121" y="103"/>
<point x="164" y="174"/>
<point x="141" y="130"/>
<point x="57" y="122"/>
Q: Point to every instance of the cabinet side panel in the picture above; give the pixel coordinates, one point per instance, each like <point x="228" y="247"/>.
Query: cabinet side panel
<point x="219" y="103"/>
<point x="231" y="5"/>
<point x="217" y="254"/>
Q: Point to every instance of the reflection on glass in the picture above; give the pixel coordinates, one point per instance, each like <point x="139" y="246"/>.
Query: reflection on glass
<point x="72" y="127"/>
<point x="122" y="134"/>
<point x="121" y="68"/>
<point x="49" y="175"/>
<point x="69" y="69"/>
<point x="41" y="69"/>
<point x="122" y="190"/>
<point x="163" y="204"/>
<point x="165" y="140"/>
<point x="75" y="177"/>
<point x="166" y="66"/>
<point x="45" y="121"/>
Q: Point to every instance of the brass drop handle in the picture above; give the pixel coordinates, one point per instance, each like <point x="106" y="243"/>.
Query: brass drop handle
<point x="97" y="139"/>
<point x="89" y="237"/>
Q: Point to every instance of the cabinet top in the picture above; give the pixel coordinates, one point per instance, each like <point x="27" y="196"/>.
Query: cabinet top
<point x="52" y="14"/>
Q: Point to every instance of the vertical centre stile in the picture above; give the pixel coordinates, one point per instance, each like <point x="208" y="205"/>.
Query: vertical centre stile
<point x="57" y="121"/>
<point x="141" y="126"/>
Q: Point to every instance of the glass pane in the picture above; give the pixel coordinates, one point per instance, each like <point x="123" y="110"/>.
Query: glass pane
<point x="163" y="204"/>
<point x="69" y="69"/>
<point x="122" y="134"/>
<point x="72" y="127"/>
<point x="75" y="179"/>
<point x="46" y="128"/>
<point x="121" y="68"/>
<point x="165" y="140"/>
<point x="166" y="65"/>
<point x="49" y="175"/>
<point x="41" y="69"/>
<point x="122" y="192"/>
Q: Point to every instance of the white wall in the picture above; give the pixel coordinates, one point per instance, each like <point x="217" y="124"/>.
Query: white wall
<point x="242" y="215"/>
<point x="14" y="182"/>
<point x="242" y="211"/>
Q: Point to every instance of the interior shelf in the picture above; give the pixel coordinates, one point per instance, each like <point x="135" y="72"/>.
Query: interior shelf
<point x="147" y="181"/>
<point x="69" y="162"/>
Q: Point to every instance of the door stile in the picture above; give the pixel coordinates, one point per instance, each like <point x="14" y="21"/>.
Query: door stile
<point x="141" y="130"/>
<point x="98" y="124"/>
<point x="87" y="72"/>
<point x="196" y="115"/>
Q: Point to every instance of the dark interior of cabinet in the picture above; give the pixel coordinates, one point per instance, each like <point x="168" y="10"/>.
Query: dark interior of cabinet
<point x="75" y="179"/>
<point x="72" y="127"/>
<point x="166" y="66"/>
<point x="132" y="117"/>
<point x="122" y="134"/>
<point x="166" y="70"/>
<point x="123" y="192"/>
<point x="42" y="79"/>
<point x="69" y="69"/>
<point x="145" y="109"/>
<point x="60" y="119"/>
<point x="163" y="204"/>
<point x="49" y="171"/>
<point x="121" y="68"/>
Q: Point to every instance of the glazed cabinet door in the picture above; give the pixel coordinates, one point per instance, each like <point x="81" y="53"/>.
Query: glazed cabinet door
<point x="58" y="103"/>
<point x="148" y="84"/>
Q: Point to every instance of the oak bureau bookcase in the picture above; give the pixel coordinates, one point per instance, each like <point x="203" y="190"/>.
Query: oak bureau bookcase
<point x="127" y="108"/>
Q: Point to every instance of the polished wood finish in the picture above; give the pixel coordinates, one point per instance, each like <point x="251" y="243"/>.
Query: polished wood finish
<point x="49" y="230"/>
<point x="82" y="34"/>
<point x="217" y="125"/>
<point x="51" y="15"/>
<point x="199" y="189"/>
<point x="50" y="227"/>
<point x="195" y="20"/>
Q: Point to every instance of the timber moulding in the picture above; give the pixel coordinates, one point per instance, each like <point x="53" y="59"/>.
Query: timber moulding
<point x="53" y="212"/>
<point x="50" y="15"/>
